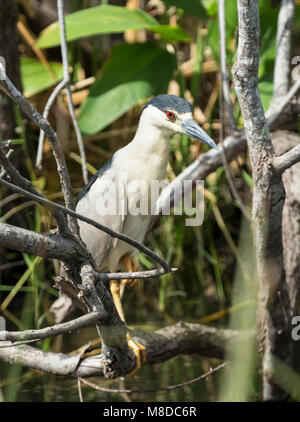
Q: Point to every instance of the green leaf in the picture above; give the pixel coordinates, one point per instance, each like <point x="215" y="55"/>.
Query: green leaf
<point x="19" y="141"/>
<point x="102" y="19"/>
<point x="265" y="87"/>
<point x="193" y="7"/>
<point x="134" y="72"/>
<point x="231" y="25"/>
<point x="211" y="6"/>
<point x="248" y="179"/>
<point x="171" y="33"/>
<point x="268" y="15"/>
<point x="36" y="78"/>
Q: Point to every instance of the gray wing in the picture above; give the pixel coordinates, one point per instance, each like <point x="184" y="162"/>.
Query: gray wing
<point x="99" y="173"/>
<point x="99" y="202"/>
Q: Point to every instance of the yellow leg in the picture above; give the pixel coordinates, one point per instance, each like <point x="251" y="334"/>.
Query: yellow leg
<point x="131" y="265"/>
<point x="115" y="292"/>
<point x="138" y="349"/>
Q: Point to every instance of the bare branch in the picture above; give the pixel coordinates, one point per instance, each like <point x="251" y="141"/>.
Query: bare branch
<point x="66" y="82"/>
<point x="225" y="99"/>
<point x="48" y="105"/>
<point x="246" y="66"/>
<point x="161" y="345"/>
<point x="35" y="116"/>
<point x="268" y="201"/>
<point x="283" y="48"/>
<point x="223" y="64"/>
<point x="287" y="160"/>
<point x="65" y="59"/>
<point x="50" y="246"/>
<point x="21" y="181"/>
<point x="154" y="390"/>
<point x="54" y="330"/>
<point x="273" y="115"/>
<point x="138" y="274"/>
<point x="283" y="142"/>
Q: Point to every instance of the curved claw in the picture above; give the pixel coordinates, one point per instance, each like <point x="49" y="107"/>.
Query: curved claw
<point x="140" y="354"/>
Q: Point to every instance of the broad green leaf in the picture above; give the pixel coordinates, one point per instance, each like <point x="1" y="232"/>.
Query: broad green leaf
<point x="102" y="19"/>
<point x="36" y="78"/>
<point x="134" y="72"/>
<point x="193" y="7"/>
<point x="171" y="33"/>
<point x="211" y="6"/>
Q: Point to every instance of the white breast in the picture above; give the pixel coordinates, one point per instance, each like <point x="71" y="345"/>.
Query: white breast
<point x="143" y="160"/>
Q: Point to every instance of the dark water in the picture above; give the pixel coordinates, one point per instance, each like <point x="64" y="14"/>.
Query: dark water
<point x="48" y="388"/>
<point x="24" y="385"/>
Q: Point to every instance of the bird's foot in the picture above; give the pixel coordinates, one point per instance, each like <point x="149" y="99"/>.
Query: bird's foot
<point x="131" y="265"/>
<point x="140" y="354"/>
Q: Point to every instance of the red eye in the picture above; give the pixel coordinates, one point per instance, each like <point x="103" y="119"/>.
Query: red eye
<point x="170" y="115"/>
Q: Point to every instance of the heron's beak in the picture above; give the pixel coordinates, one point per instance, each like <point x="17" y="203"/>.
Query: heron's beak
<point x="192" y="129"/>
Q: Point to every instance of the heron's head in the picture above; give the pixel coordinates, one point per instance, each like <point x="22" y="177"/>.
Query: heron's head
<point x="173" y="114"/>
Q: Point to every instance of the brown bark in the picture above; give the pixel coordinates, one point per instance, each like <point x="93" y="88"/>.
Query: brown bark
<point x="283" y="142"/>
<point x="161" y="345"/>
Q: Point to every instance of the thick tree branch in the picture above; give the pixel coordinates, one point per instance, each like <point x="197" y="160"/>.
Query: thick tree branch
<point x="285" y="141"/>
<point x="50" y="246"/>
<point x="268" y="201"/>
<point x="171" y="341"/>
<point x="287" y="160"/>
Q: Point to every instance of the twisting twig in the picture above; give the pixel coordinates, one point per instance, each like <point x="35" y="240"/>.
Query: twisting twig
<point x="35" y="116"/>
<point x="66" y="82"/>
<point x="154" y="390"/>
<point x="283" y="48"/>
<point x="21" y="181"/>
<point x="54" y="330"/>
<point x="64" y="53"/>
<point x="48" y="105"/>
<point x="225" y="98"/>
<point x="273" y="115"/>
<point x="223" y="64"/>
<point x="137" y="274"/>
<point x="121" y="236"/>
<point x="79" y="390"/>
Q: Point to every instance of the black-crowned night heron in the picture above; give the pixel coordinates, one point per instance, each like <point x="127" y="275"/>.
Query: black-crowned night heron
<point x="144" y="159"/>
